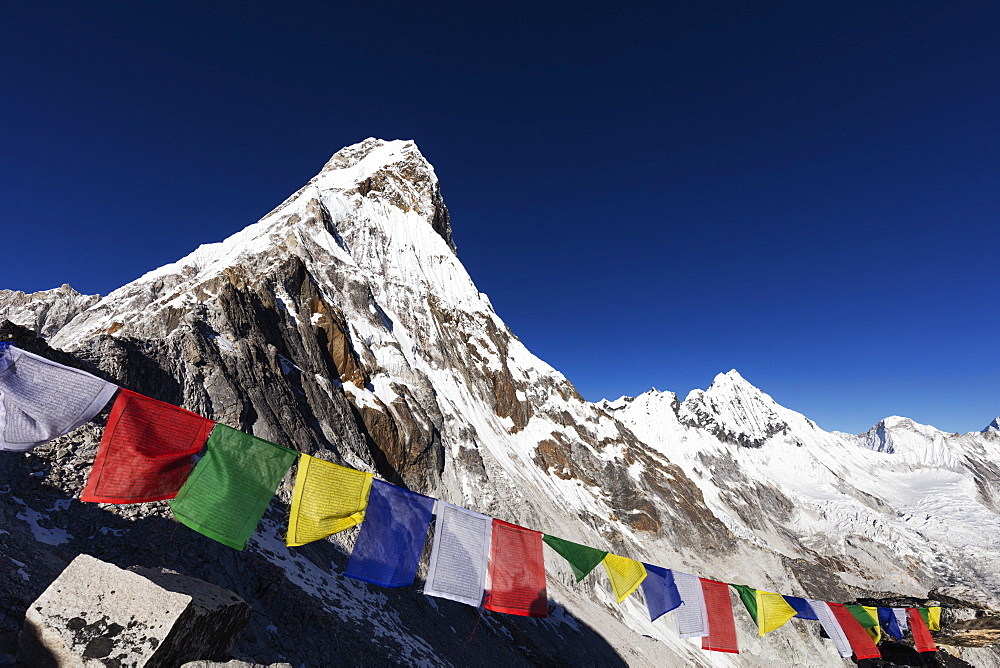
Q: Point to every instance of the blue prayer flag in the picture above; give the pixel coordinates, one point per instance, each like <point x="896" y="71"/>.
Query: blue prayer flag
<point x="801" y="607"/>
<point x="660" y="591"/>
<point x="888" y="621"/>
<point x="392" y="536"/>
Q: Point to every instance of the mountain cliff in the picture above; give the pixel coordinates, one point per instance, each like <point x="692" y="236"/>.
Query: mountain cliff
<point x="343" y="324"/>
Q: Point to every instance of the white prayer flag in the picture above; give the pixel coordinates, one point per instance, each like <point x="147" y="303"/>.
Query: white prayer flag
<point x="460" y="555"/>
<point x="41" y="400"/>
<point x="832" y="628"/>
<point x="901" y="619"/>
<point x="692" y="615"/>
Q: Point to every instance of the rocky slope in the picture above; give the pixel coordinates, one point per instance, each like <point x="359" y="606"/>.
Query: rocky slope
<point x="343" y="325"/>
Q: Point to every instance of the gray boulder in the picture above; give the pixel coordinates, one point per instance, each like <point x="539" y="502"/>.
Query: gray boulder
<point x="96" y="614"/>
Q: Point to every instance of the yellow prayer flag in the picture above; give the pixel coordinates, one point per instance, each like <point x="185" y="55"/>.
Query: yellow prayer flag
<point x="934" y="618"/>
<point x="772" y="611"/>
<point x="626" y="574"/>
<point x="327" y="499"/>
<point x="874" y="632"/>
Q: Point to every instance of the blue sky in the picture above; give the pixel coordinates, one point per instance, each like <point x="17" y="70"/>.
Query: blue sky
<point x="650" y="193"/>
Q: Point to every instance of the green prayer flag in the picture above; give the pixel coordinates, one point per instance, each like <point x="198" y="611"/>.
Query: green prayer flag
<point x="228" y="491"/>
<point x="862" y="616"/>
<point x="582" y="559"/>
<point x="925" y="613"/>
<point x="749" y="597"/>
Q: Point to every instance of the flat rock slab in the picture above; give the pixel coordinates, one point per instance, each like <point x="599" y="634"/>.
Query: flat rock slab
<point x="98" y="615"/>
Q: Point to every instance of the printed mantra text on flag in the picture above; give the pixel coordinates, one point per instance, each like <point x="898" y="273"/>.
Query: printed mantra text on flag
<point x="517" y="572"/>
<point x="146" y="452"/>
<point x="42" y="400"/>
<point x="392" y="536"/>
<point x="721" y="627"/>
<point x="229" y="489"/>
<point x="328" y="498"/>
<point x="460" y="555"/>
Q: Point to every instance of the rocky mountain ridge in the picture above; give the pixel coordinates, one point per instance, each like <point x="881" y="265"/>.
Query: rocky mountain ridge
<point x="343" y="325"/>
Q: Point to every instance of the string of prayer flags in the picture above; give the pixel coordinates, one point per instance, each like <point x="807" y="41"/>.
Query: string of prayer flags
<point x="772" y="612"/>
<point x="460" y="556"/>
<point x="875" y="631"/>
<point x="41" y="400"/>
<point x="802" y="608"/>
<point x="626" y="575"/>
<point x="328" y="499"/>
<point x="582" y="559"/>
<point x="392" y="536"/>
<point x="660" y="592"/>
<point x="749" y="597"/>
<point x="921" y="634"/>
<point x="691" y="616"/>
<point x="860" y="641"/>
<point x="721" y="626"/>
<point x="230" y="487"/>
<point x="517" y="572"/>
<point x="888" y="622"/>
<point x="146" y="452"/>
<point x="934" y="618"/>
<point x="832" y="628"/>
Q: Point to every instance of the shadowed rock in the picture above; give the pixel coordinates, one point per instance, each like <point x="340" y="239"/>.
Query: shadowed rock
<point x="96" y="614"/>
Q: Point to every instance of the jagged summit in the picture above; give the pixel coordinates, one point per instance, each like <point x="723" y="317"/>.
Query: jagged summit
<point x="993" y="426"/>
<point x="900" y="434"/>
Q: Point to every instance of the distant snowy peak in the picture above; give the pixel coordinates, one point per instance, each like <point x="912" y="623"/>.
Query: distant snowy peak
<point x="993" y="426"/>
<point x="735" y="411"/>
<point x="900" y="434"/>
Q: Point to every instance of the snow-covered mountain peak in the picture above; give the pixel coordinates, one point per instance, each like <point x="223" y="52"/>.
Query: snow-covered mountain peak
<point x="900" y="434"/>
<point x="735" y="411"/>
<point x="993" y="426"/>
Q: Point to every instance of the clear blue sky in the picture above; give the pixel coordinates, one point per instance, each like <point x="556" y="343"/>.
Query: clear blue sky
<point x="650" y="193"/>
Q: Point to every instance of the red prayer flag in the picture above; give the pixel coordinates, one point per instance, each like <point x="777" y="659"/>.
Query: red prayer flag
<point x="517" y="572"/>
<point x="721" y="627"/>
<point x="146" y="451"/>
<point x="860" y="641"/>
<point x="921" y="634"/>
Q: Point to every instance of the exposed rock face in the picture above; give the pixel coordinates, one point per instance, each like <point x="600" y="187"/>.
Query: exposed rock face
<point x="45" y="312"/>
<point x="343" y="324"/>
<point x="96" y="614"/>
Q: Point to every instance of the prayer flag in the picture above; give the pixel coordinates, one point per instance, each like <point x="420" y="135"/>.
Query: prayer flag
<point x="922" y="639"/>
<point x="901" y="618"/>
<point x="925" y="614"/>
<point x="582" y="559"/>
<point x="229" y="489"/>
<point x="392" y="536"/>
<point x="861" y="643"/>
<point x="460" y="555"/>
<point x="626" y="575"/>
<point x="721" y="627"/>
<point x="875" y="632"/>
<point x="888" y="621"/>
<point x="802" y="608"/>
<point x="832" y="628"/>
<point x="861" y="614"/>
<point x="517" y="572"/>
<point x="934" y="618"/>
<point x="327" y="499"/>
<point x="691" y="616"/>
<point x="749" y="597"/>
<point x="146" y="452"/>
<point x="660" y="591"/>
<point x="41" y="400"/>
<point x="772" y="612"/>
